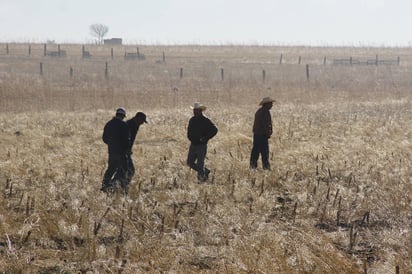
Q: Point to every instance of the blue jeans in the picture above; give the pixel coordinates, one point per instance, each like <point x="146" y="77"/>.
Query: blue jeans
<point x="196" y="159"/>
<point x="260" y="147"/>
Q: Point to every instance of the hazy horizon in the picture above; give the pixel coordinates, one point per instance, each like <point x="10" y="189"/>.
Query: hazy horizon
<point x="181" y="22"/>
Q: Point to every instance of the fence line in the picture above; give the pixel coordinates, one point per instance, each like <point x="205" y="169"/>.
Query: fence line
<point x="61" y="54"/>
<point x="137" y="55"/>
<point x="367" y="62"/>
<point x="45" y="69"/>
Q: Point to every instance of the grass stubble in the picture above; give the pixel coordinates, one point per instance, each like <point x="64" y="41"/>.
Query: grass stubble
<point x="337" y="200"/>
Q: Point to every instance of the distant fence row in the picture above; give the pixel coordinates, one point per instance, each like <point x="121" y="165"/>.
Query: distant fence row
<point x="368" y="62"/>
<point x="137" y="55"/>
<point x="61" y="53"/>
<point x="180" y="72"/>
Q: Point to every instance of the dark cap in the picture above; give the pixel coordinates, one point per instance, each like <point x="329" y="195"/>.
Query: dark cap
<point x="141" y="116"/>
<point x="120" y="112"/>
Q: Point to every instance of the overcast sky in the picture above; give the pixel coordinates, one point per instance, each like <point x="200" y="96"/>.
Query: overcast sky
<point x="272" y="22"/>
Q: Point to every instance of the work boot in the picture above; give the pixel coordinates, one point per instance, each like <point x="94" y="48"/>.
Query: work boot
<point x="207" y="172"/>
<point x="201" y="178"/>
<point x="107" y="189"/>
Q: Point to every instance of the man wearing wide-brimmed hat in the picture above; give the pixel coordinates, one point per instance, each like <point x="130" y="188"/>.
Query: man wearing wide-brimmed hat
<point x="262" y="130"/>
<point x="199" y="131"/>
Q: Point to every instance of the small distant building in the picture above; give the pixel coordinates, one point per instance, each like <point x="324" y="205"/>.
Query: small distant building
<point x="113" y="41"/>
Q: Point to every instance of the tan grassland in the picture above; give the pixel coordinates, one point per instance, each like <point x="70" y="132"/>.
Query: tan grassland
<point x="337" y="200"/>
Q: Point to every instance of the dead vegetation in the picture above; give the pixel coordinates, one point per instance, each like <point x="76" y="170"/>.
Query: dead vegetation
<point x="337" y="200"/>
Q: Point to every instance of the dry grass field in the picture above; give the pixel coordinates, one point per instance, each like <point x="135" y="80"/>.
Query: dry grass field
<point x="337" y="200"/>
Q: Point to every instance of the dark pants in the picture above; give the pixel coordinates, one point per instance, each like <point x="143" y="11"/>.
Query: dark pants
<point x="196" y="160"/>
<point x="260" y="147"/>
<point x="129" y="174"/>
<point x="118" y="167"/>
<point x="130" y="168"/>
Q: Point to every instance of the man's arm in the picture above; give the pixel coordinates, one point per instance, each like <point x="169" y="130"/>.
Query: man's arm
<point x="212" y="130"/>
<point x="268" y="124"/>
<point x="105" y="136"/>
<point x="189" y="130"/>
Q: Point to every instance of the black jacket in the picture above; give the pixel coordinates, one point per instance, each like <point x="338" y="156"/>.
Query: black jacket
<point x="133" y="128"/>
<point x="200" y="130"/>
<point x="117" y="137"/>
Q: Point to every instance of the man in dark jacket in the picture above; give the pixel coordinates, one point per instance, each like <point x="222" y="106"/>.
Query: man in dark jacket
<point x="262" y="130"/>
<point x="133" y="124"/>
<point x="117" y="137"/>
<point x="199" y="131"/>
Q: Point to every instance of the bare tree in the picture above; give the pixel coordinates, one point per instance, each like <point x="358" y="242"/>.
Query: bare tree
<point x="99" y="31"/>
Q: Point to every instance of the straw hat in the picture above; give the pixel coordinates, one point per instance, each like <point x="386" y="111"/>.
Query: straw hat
<point x="266" y="100"/>
<point x="198" y="106"/>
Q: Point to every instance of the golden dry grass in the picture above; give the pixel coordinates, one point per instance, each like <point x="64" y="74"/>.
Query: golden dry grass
<point x="338" y="198"/>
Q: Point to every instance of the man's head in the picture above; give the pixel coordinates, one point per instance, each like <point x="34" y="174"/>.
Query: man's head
<point x="267" y="102"/>
<point x="140" y="118"/>
<point x="198" y="108"/>
<point x="120" y="113"/>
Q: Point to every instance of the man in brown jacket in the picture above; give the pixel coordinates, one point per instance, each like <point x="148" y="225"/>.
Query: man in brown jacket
<point x="262" y="130"/>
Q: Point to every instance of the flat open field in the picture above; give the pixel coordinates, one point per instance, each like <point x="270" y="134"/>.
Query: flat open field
<point x="337" y="200"/>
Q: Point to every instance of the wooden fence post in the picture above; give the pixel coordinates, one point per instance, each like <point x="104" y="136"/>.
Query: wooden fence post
<point x="222" y="74"/>
<point x="44" y="49"/>
<point x="71" y="72"/>
<point x="111" y="53"/>
<point x="106" y="70"/>
<point x="83" y="51"/>
<point x="299" y="60"/>
<point x="138" y="53"/>
<point x="7" y="49"/>
<point x="164" y="57"/>
<point x="181" y="73"/>
<point x="307" y="72"/>
<point x="399" y="60"/>
<point x="376" y="60"/>
<point x="41" y="68"/>
<point x="29" y="50"/>
<point x="263" y="75"/>
<point x="324" y="60"/>
<point x="58" y="49"/>
<point x="350" y="61"/>
<point x="280" y="59"/>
